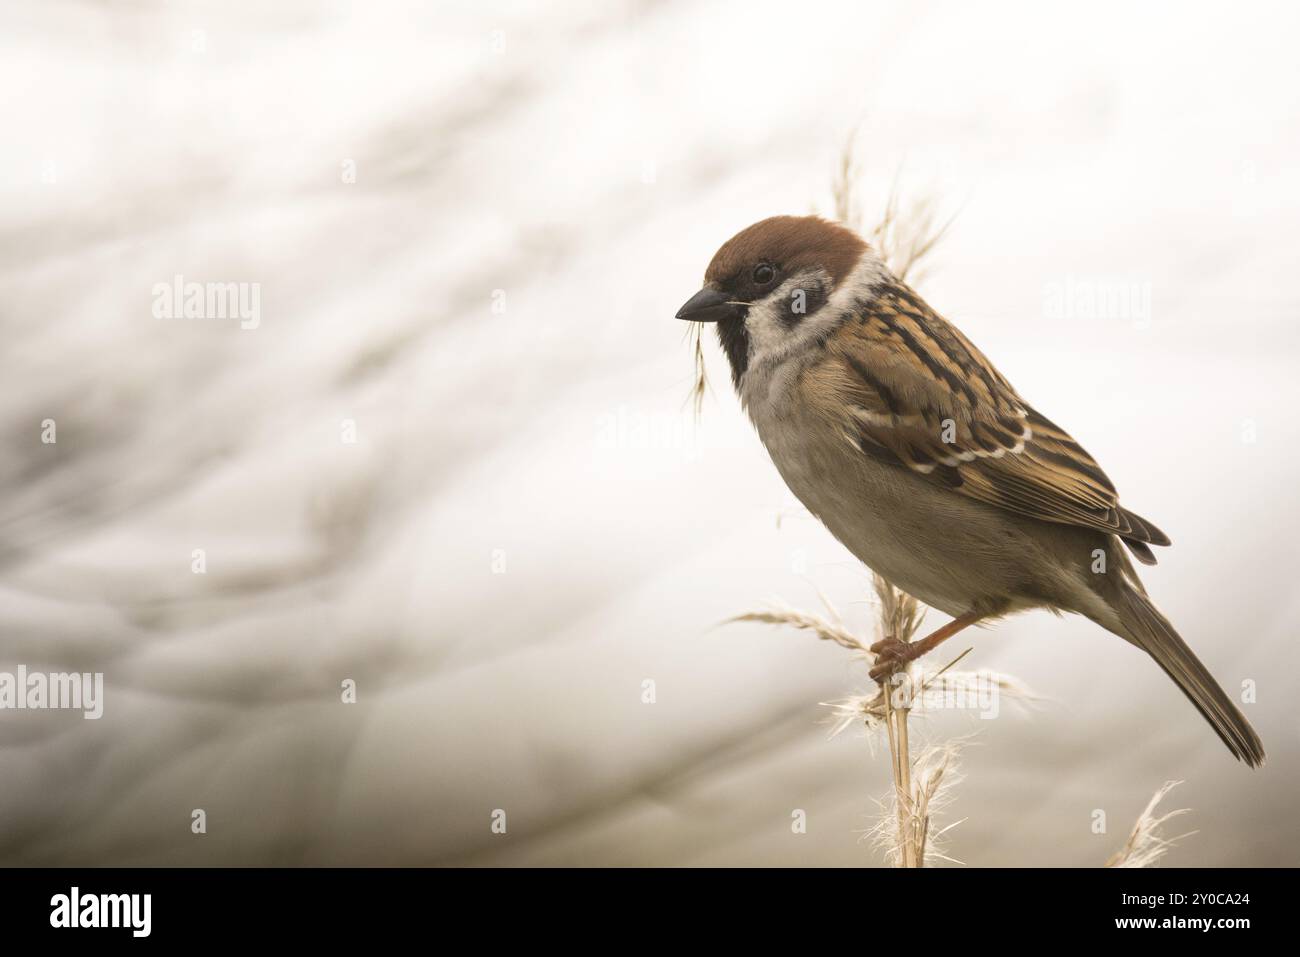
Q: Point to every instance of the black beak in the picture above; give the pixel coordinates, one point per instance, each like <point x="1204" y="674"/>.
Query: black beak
<point x="709" y="305"/>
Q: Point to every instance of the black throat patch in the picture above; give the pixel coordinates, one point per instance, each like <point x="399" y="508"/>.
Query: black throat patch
<point x="735" y="343"/>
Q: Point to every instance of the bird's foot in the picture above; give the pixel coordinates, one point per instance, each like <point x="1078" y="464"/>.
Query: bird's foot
<point x="892" y="656"/>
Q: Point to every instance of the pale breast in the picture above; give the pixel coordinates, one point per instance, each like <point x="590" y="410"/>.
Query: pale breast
<point x="949" y="552"/>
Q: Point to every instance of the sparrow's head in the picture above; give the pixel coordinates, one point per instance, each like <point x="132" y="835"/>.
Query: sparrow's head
<point x="768" y="286"/>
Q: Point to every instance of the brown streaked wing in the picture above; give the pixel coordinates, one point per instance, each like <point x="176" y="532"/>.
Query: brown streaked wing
<point x="907" y="385"/>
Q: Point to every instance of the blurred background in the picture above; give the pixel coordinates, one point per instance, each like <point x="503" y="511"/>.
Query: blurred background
<point x="454" y="466"/>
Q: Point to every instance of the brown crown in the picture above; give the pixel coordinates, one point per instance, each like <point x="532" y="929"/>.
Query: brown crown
<point x="794" y="243"/>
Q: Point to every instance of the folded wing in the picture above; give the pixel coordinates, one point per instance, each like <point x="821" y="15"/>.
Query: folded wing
<point x="911" y="389"/>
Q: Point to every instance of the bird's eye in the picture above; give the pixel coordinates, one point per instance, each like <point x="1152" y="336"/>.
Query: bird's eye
<point x="764" y="273"/>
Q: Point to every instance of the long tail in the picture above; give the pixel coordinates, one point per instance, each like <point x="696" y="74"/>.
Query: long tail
<point x="1151" y="631"/>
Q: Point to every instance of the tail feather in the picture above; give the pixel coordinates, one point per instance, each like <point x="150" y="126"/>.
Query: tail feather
<point x="1152" y="632"/>
<point x="1143" y="530"/>
<point x="1141" y="551"/>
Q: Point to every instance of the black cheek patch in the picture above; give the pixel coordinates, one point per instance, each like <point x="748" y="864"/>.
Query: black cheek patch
<point x="801" y="302"/>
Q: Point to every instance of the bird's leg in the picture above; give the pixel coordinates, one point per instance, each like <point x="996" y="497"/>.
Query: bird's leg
<point x="893" y="654"/>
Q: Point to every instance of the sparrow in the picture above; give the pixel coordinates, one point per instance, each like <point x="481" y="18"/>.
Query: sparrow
<point x="923" y="460"/>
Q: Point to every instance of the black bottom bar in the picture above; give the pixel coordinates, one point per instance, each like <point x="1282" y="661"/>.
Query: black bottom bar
<point x="548" y="906"/>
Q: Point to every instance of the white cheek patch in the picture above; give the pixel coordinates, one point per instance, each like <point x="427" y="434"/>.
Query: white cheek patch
<point x="769" y="332"/>
<point x="777" y="349"/>
<point x="773" y="339"/>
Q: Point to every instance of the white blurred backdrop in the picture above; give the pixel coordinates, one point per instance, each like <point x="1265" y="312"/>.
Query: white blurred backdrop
<point x="470" y="225"/>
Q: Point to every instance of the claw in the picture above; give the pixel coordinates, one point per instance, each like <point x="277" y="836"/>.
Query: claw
<point x="892" y="656"/>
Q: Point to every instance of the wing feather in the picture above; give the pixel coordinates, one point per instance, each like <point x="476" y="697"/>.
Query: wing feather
<point x="916" y="392"/>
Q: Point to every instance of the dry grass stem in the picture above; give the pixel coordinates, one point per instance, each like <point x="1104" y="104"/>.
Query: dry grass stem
<point x="907" y="833"/>
<point x="843" y="187"/>
<point x="903" y="238"/>
<point x="900" y="616"/>
<point x="823" y="628"/>
<point x="904" y="241"/>
<point x="700" y="382"/>
<point x="934" y="774"/>
<point x="1146" y="845"/>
